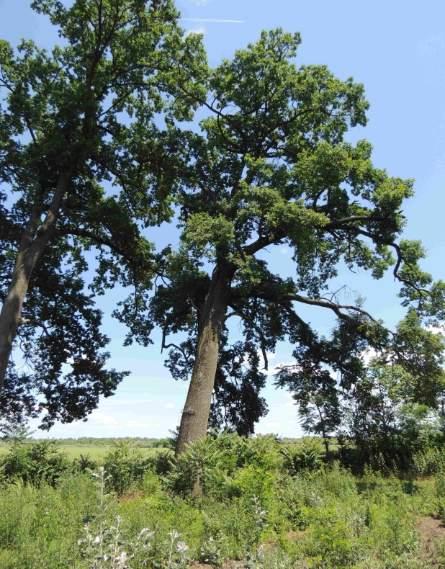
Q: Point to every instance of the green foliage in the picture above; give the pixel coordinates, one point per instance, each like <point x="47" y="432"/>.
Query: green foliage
<point x="440" y="494"/>
<point x="307" y="455"/>
<point x="84" y="464"/>
<point x="226" y="465"/>
<point x="259" y="515"/>
<point x="85" y="165"/>
<point x="429" y="460"/>
<point x="125" y="467"/>
<point x="271" y="166"/>
<point x="34" y="463"/>
<point x="198" y="465"/>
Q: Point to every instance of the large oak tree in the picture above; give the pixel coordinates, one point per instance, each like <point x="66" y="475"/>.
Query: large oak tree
<point x="271" y="165"/>
<point x="80" y="168"/>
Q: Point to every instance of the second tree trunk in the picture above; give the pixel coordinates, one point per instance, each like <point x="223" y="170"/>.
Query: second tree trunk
<point x="195" y="416"/>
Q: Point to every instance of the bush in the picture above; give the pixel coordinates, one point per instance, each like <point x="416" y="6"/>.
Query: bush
<point x="215" y="464"/>
<point x="307" y="455"/>
<point x="196" y="467"/>
<point x="84" y="464"/>
<point x="257" y="508"/>
<point x="34" y="463"/>
<point x="429" y="461"/>
<point x="125" y="466"/>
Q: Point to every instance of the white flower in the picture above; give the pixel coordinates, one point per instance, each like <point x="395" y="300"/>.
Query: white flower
<point x="174" y="534"/>
<point x="181" y="547"/>
<point x="146" y="533"/>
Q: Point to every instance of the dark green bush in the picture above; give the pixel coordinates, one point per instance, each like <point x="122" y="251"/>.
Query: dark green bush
<point x="84" y="464"/>
<point x="34" y="463"/>
<point x="125" y="467"/>
<point x="218" y="464"/>
<point x="307" y="455"/>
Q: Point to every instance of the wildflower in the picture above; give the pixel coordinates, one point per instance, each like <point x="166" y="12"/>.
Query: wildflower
<point x="174" y="535"/>
<point x="181" y="547"/>
<point x="100" y="472"/>
<point x="146" y="533"/>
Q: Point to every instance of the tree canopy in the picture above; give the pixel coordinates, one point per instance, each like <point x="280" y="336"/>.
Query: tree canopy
<point x="80" y="169"/>
<point x="272" y="165"/>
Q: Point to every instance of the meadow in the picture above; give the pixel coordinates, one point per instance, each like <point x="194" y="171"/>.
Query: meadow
<point x="262" y="503"/>
<point x="96" y="449"/>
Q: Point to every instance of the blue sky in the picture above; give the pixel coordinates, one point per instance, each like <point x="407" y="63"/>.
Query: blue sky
<point x="397" y="50"/>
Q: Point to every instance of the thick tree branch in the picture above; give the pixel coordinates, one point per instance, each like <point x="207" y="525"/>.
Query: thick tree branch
<point x="97" y="239"/>
<point x="263" y="242"/>
<point x="341" y="310"/>
<point x="336" y="308"/>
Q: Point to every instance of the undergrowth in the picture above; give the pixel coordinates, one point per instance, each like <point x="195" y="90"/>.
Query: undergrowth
<point x="263" y="504"/>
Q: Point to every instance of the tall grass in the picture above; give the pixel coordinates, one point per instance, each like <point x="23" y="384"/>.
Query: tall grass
<point x="259" y="507"/>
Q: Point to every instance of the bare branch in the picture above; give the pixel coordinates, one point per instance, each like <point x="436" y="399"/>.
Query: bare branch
<point x="165" y="346"/>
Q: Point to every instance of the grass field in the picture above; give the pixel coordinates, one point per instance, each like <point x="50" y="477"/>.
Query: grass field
<point x="94" y="449"/>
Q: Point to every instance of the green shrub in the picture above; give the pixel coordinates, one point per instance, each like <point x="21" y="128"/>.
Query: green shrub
<point x="307" y="455"/>
<point x="162" y="462"/>
<point x="34" y="463"/>
<point x="429" y="461"/>
<point x="197" y="466"/>
<point x="218" y="464"/>
<point x="252" y="510"/>
<point x="125" y="466"/>
<point x="439" y="483"/>
<point x="84" y="464"/>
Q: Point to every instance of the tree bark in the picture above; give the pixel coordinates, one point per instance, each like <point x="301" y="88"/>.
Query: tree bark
<point x="195" y="416"/>
<point x="33" y="243"/>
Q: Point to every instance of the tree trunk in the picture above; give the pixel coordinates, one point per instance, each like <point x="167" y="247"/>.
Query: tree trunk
<point x="33" y="243"/>
<point x="12" y="307"/>
<point x="195" y="416"/>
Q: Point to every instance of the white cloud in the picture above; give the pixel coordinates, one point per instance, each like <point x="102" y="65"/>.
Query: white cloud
<point x="138" y="423"/>
<point x="282" y="418"/>
<point x="368" y="355"/>
<point x="437" y="330"/>
<point x="102" y="419"/>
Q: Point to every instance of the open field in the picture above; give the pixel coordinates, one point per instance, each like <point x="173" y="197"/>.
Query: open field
<point x="96" y="450"/>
